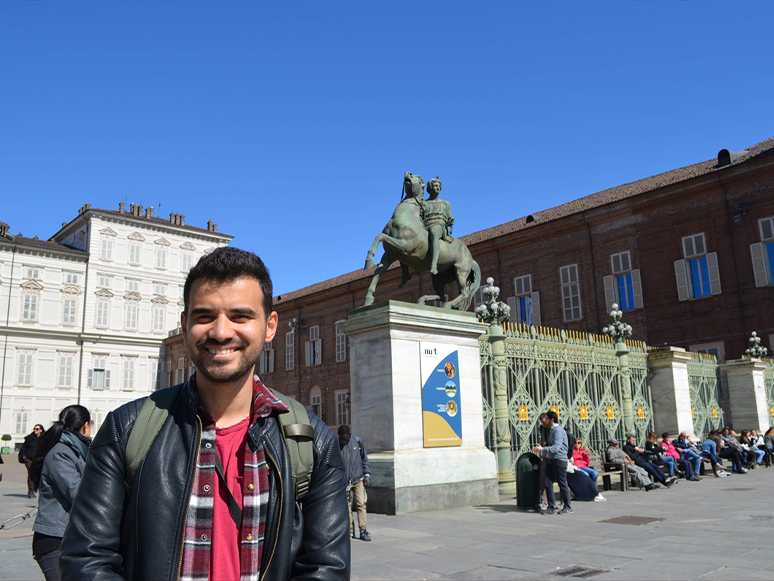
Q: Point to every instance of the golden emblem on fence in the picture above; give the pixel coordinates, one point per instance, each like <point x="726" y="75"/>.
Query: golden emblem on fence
<point x="693" y="414"/>
<point x="555" y="409"/>
<point x="523" y="413"/>
<point x="771" y="411"/>
<point x="610" y="410"/>
<point x="584" y="412"/>
<point x="640" y="413"/>
<point x="715" y="412"/>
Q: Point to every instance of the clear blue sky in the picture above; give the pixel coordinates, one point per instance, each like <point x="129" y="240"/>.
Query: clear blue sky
<point x="291" y="124"/>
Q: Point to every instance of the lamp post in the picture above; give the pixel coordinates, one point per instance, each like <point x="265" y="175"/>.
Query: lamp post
<point x="756" y="351"/>
<point x="495" y="313"/>
<point x="619" y="331"/>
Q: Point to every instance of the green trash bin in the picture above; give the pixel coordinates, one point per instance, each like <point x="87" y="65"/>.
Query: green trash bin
<point x="528" y="487"/>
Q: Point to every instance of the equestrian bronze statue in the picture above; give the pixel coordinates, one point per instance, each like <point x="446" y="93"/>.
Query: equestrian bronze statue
<point x="417" y="237"/>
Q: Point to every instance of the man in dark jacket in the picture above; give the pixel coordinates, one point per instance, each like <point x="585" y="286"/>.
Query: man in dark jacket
<point x="355" y="458"/>
<point x="214" y="496"/>
<point x="637" y="455"/>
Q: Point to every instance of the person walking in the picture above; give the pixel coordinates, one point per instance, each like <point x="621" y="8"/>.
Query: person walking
<point x="217" y="494"/>
<point x="27" y="453"/>
<point x="556" y="454"/>
<point x="56" y="472"/>
<point x="355" y="458"/>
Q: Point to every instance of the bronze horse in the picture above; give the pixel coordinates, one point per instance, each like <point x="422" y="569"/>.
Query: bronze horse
<point x="405" y="239"/>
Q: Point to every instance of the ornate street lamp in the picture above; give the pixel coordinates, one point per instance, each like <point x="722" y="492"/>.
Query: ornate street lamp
<point x="492" y="310"/>
<point x="618" y="330"/>
<point x="755" y="349"/>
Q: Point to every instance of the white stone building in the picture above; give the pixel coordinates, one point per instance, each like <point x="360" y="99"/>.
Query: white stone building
<point x="84" y="314"/>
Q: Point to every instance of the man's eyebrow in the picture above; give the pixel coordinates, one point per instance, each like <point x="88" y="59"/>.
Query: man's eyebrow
<point x="235" y="310"/>
<point x="201" y="310"/>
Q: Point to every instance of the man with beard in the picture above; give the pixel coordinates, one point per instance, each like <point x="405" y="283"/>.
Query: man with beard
<point x="214" y="497"/>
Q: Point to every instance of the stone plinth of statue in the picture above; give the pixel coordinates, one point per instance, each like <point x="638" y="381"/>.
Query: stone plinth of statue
<point x="415" y="393"/>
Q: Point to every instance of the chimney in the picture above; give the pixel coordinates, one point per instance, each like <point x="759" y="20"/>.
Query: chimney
<point x="149" y="212"/>
<point x="172" y="218"/>
<point x="4" y="229"/>
<point x="64" y="224"/>
<point x="121" y="207"/>
<point x="209" y="225"/>
<point x="139" y="211"/>
<point x="182" y="219"/>
<point x="214" y="227"/>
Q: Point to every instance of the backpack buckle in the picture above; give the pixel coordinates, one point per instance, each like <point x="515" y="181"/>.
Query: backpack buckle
<point x="302" y="488"/>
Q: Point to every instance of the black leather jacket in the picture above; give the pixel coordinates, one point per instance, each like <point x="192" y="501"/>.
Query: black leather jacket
<point x="113" y="535"/>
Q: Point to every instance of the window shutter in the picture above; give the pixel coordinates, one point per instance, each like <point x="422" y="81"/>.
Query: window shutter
<point x="271" y="360"/>
<point x="637" y="288"/>
<point x="514" y="318"/>
<point x="318" y="352"/>
<point x="308" y="353"/>
<point x="683" y="290"/>
<point x="90" y="379"/>
<point x="107" y="379"/>
<point x="536" y="309"/>
<point x="262" y="364"/>
<point x="610" y="294"/>
<point x="760" y="265"/>
<point x="714" y="272"/>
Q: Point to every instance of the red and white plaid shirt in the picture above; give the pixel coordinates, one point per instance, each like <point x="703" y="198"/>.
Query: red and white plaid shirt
<point x="197" y="543"/>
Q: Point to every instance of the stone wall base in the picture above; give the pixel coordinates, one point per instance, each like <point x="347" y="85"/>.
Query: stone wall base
<point x="394" y="501"/>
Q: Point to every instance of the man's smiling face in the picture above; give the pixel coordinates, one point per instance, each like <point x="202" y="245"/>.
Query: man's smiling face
<point x="225" y="327"/>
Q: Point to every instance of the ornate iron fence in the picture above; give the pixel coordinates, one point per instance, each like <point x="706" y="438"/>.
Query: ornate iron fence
<point x="768" y="382"/>
<point x="578" y="375"/>
<point x="704" y="385"/>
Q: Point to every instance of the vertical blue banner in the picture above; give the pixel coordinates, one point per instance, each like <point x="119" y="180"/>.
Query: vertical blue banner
<point x="441" y="417"/>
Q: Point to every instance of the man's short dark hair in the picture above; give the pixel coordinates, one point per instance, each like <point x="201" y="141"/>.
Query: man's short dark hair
<point x="227" y="264"/>
<point x="551" y="415"/>
<point x="343" y="430"/>
<point x="665" y="435"/>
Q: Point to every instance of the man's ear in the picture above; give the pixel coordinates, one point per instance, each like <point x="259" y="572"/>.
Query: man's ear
<point x="183" y="324"/>
<point x="272" y="321"/>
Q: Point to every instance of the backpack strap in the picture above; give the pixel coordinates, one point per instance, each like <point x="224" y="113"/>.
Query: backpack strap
<point x="153" y="414"/>
<point x="299" y="435"/>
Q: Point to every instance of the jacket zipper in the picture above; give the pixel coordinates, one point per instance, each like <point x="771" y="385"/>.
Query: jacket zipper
<point x="281" y="505"/>
<point x="188" y="504"/>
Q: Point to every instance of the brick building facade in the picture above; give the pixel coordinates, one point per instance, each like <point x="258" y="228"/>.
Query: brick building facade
<point x="688" y="255"/>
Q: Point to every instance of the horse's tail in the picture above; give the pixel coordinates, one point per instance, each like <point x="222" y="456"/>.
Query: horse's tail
<point x="472" y="286"/>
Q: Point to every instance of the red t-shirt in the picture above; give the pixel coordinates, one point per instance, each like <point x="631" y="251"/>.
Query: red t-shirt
<point x="224" y="558"/>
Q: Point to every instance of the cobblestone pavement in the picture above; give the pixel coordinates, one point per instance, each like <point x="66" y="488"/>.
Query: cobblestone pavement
<point x="714" y="529"/>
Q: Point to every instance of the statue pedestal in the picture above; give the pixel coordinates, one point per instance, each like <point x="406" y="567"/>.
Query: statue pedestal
<point x="412" y="468"/>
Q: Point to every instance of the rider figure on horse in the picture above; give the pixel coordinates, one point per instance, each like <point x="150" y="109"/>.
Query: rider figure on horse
<point x="437" y="219"/>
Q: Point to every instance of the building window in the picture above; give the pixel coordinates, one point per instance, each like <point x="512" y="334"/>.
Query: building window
<point x="185" y="261"/>
<point x="155" y="374"/>
<point x="181" y="370"/>
<point x="697" y="274"/>
<point x="313" y="347"/>
<point x="30" y="306"/>
<point x="624" y="286"/>
<point x="102" y="318"/>
<point x="69" y="307"/>
<point x="763" y="254"/>
<point x="135" y="251"/>
<point x="341" y="345"/>
<point x="24" y="369"/>
<point x="104" y="281"/>
<point x="106" y="249"/>
<point x="132" y="286"/>
<point x="131" y="309"/>
<point x="315" y="401"/>
<point x="71" y="278"/>
<point x="99" y="374"/>
<point x="159" y="315"/>
<point x="525" y="306"/>
<point x="571" y="305"/>
<point x="342" y="408"/>
<point x="718" y="350"/>
<point x="65" y="375"/>
<point x="191" y="370"/>
<point x="159" y="289"/>
<point x="98" y="417"/>
<point x="266" y="361"/>
<point x="290" y="351"/>
<point x="22" y="420"/>
<point x="161" y="257"/>
<point x="127" y="381"/>
<point x="32" y="272"/>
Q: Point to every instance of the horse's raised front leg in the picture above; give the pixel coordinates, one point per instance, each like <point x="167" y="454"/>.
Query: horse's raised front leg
<point x="405" y="275"/>
<point x="383" y="264"/>
<point x="461" y="273"/>
<point x="371" y="251"/>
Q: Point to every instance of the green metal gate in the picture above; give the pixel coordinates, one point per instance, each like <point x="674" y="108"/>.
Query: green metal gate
<point x="704" y="385"/>
<point x="578" y="375"/>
